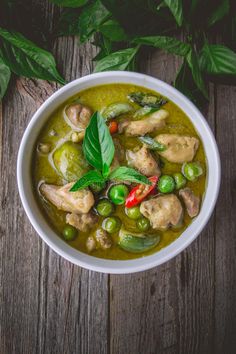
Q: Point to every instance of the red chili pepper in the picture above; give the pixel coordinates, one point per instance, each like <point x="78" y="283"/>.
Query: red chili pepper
<point x="140" y="192"/>
<point x="113" y="127"/>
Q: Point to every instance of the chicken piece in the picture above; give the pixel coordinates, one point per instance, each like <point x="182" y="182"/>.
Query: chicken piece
<point x="103" y="239"/>
<point x="179" y="148"/>
<point x="143" y="161"/>
<point x="191" y="201"/>
<point x="119" y="155"/>
<point x="78" y="116"/>
<point x="82" y="222"/>
<point x="72" y="202"/>
<point x="141" y="127"/>
<point x="90" y="243"/>
<point x="163" y="211"/>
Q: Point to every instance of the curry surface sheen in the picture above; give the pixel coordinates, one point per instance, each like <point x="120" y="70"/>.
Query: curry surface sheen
<point x="97" y="98"/>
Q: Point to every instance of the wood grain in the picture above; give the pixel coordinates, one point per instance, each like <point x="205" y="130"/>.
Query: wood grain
<point x="47" y="305"/>
<point x="225" y="260"/>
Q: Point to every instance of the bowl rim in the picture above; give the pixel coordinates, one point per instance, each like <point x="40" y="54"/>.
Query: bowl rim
<point x="106" y="265"/>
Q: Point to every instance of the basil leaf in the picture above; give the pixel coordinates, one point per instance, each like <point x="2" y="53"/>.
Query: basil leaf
<point x="5" y="75"/>
<point x="176" y="7"/>
<point x="68" y="24"/>
<point x="87" y="179"/>
<point x="119" y="60"/>
<point x="184" y="82"/>
<point x="92" y="16"/>
<point x="152" y="144"/>
<point x="218" y="59"/>
<point x="105" y="46"/>
<point x="221" y="10"/>
<point x="24" y="58"/>
<point x="113" y="30"/>
<point x="70" y="3"/>
<point x="170" y="44"/>
<point x="128" y="174"/>
<point x="98" y="145"/>
<point x="193" y="63"/>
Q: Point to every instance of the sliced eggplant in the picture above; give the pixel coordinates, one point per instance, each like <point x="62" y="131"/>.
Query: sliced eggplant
<point x="116" y="109"/>
<point x="69" y="161"/>
<point x="137" y="242"/>
<point x="144" y="111"/>
<point x="147" y="99"/>
<point x="152" y="144"/>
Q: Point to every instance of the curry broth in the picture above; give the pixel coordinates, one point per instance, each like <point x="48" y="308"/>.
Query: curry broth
<point x="97" y="98"/>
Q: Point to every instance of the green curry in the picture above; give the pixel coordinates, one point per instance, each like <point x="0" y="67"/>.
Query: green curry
<point x="119" y="171"/>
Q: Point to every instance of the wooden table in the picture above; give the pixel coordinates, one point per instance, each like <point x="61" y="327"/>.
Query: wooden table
<point x="48" y="305"/>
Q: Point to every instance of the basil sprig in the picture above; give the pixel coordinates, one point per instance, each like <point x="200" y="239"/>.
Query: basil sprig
<point x="98" y="148"/>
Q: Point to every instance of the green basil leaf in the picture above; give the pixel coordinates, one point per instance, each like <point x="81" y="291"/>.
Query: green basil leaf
<point x="68" y="24"/>
<point x="98" y="146"/>
<point x="119" y="60"/>
<point x="113" y="30"/>
<point x="170" y="44"/>
<point x="87" y="179"/>
<point x="218" y="59"/>
<point x="5" y="75"/>
<point x="176" y="7"/>
<point x="70" y="3"/>
<point x="184" y="82"/>
<point x="193" y="63"/>
<point x="128" y="174"/>
<point x="92" y="16"/>
<point x="221" y="10"/>
<point x="24" y="58"/>
<point x="105" y="46"/>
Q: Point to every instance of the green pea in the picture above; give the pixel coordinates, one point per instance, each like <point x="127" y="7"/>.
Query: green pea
<point x="166" y="184"/>
<point x="111" y="224"/>
<point x="143" y="224"/>
<point x="104" y="207"/>
<point x="192" y="170"/>
<point x="118" y="194"/>
<point x="180" y="180"/>
<point x="133" y="213"/>
<point x="69" y="233"/>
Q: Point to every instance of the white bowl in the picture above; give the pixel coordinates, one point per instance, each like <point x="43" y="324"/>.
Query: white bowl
<point x="39" y="222"/>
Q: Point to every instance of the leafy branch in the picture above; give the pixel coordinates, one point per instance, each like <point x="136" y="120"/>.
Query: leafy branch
<point x="120" y="29"/>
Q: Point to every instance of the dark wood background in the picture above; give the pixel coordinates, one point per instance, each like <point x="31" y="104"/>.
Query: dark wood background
<point x="48" y="305"/>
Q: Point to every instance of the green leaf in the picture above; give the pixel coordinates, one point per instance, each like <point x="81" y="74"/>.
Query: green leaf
<point x="24" y="58"/>
<point x="68" y="24"/>
<point x="70" y="3"/>
<point x="119" y="60"/>
<point x="5" y="75"/>
<point x="88" y="179"/>
<point x="193" y="63"/>
<point x="98" y="145"/>
<point x="128" y="174"/>
<point x="92" y="16"/>
<point x="113" y="30"/>
<point x="220" y="11"/>
<point x="184" y="82"/>
<point x="170" y="44"/>
<point x="176" y="7"/>
<point x="105" y="46"/>
<point x="218" y="59"/>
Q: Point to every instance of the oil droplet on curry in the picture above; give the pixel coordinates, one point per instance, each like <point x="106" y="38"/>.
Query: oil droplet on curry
<point x="119" y="171"/>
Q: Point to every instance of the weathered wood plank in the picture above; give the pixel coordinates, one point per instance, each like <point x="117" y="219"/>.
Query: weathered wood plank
<point x="225" y="260"/>
<point x="168" y="309"/>
<point x="47" y="304"/>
